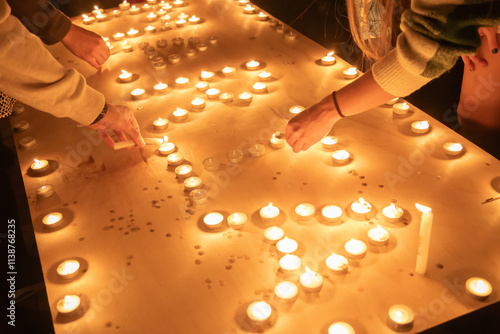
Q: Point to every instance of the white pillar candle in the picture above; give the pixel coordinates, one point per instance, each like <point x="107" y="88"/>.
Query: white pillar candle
<point x="21" y="126"/>
<point x="226" y="97"/>
<point x="400" y="108"/>
<point x="305" y="211"/>
<point x="378" y="236"/>
<point x="338" y="264"/>
<point x="245" y="97"/>
<point x="160" y="124"/>
<point x="175" y="159"/>
<point x="68" y="305"/>
<point x="237" y="220"/>
<point x="392" y="213"/>
<point x="329" y="59"/>
<point x="228" y="71"/>
<point x="479" y="288"/>
<point x="329" y="142"/>
<point x="252" y="65"/>
<point x="452" y="149"/>
<point x="45" y="191"/>
<point x="166" y="148"/>
<point x="178" y="41"/>
<point x="234" y="156"/>
<point x="259" y="87"/>
<point x="213" y="220"/>
<point x="52" y="220"/>
<point x="350" y="73"/>
<point x="259" y="313"/>
<point x="257" y="150"/>
<point x="361" y="210"/>
<point x="88" y="19"/>
<point x="124" y="5"/>
<point x="340" y="157"/>
<point x="211" y="164"/>
<point x="138" y="94"/>
<point x="400" y="317"/>
<point x="286" y="292"/>
<point x="198" y="196"/>
<point x="134" y="10"/>
<point x="286" y="246"/>
<point x="356" y="249"/>
<point x="174" y="58"/>
<point x="182" y="82"/>
<point x="264" y="76"/>
<point x="180" y="115"/>
<point x="68" y="269"/>
<point x="40" y="166"/>
<point x="340" y="327"/>
<point x="192" y="183"/>
<point x="311" y="281"/>
<point x="183" y="171"/>
<point x="212" y="93"/>
<point x="294" y="110"/>
<point x="198" y="104"/>
<point x="420" y="127"/>
<point x="273" y="234"/>
<point x="290" y="264"/>
<point x="263" y="16"/>
<point x="207" y="75"/>
<point x="425" y="239"/>
<point x="269" y="213"/>
<point x="331" y="213"/>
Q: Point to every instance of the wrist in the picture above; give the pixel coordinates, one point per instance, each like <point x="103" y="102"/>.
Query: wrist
<point x="101" y="114"/>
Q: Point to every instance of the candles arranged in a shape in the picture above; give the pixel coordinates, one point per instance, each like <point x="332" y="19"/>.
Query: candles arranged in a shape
<point x="273" y="234"/>
<point x="52" y="220"/>
<point x="132" y="32"/>
<point x="182" y="82"/>
<point x="192" y="183"/>
<point x="331" y="213"/>
<point x="286" y="292"/>
<point x="378" y="236"/>
<point x="207" y="75"/>
<point x="245" y="97"/>
<point x="124" y="5"/>
<point x="259" y="87"/>
<point x="213" y="220"/>
<point x="134" y="10"/>
<point x="202" y="86"/>
<point x="265" y="76"/>
<point x="175" y="159"/>
<point x="183" y="171"/>
<point x="420" y="127"/>
<point x="228" y="71"/>
<point x="166" y="148"/>
<point x="226" y="97"/>
<point x="160" y="88"/>
<point x="269" y="213"/>
<point x="337" y="263"/>
<point x="479" y="288"/>
<point x="356" y="249"/>
<point x="198" y="196"/>
<point x="237" y="220"/>
<point x="257" y="150"/>
<point x="425" y="238"/>
<point x="180" y="115"/>
<point x="69" y="305"/>
<point x="125" y="76"/>
<point x="249" y="9"/>
<point x="329" y="59"/>
<point x="118" y="36"/>
<point x="101" y="16"/>
<point x="138" y="94"/>
<point x="400" y="317"/>
<point x="263" y="16"/>
<point x="287" y="246"/>
<point x="198" y="103"/>
<point x="68" y="269"/>
<point x="340" y="157"/>
<point x="213" y="93"/>
<point x="259" y="313"/>
<point x="194" y="19"/>
<point x="88" y="19"/>
<point x="452" y="149"/>
<point x="294" y="110"/>
<point x="311" y="281"/>
<point x="40" y="166"/>
<point x="127" y="47"/>
<point x="252" y="65"/>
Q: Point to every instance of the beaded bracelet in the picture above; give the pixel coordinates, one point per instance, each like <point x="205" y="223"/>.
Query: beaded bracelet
<point x="101" y="114"/>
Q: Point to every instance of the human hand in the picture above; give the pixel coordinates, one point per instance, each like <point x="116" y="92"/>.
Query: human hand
<point x="311" y="125"/>
<point x="491" y="38"/>
<point x="121" y="121"/>
<point x="86" y="45"/>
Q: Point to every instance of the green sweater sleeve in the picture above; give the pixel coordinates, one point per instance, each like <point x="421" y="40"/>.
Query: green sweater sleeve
<point x="41" y="18"/>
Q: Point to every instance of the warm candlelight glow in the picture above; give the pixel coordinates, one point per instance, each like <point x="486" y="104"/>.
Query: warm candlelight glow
<point x="213" y="220"/>
<point x="252" y="65"/>
<point x="68" y="269"/>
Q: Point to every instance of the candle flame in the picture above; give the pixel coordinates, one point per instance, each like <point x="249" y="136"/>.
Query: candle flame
<point x="37" y="161"/>
<point x="165" y="139"/>
<point x="422" y="208"/>
<point x="308" y="270"/>
<point x="361" y="201"/>
<point x="270" y="204"/>
<point x="455" y="147"/>
<point x="124" y="42"/>
<point x="96" y="7"/>
<point x="85" y="17"/>
<point x="329" y="54"/>
<point x="125" y="72"/>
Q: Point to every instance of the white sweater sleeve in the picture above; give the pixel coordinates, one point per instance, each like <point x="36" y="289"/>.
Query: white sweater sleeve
<point x="30" y="74"/>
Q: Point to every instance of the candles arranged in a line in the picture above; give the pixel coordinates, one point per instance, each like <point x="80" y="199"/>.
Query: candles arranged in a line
<point x="259" y="87"/>
<point x="378" y="236"/>
<point x="263" y="16"/>
<point x="52" y="220"/>
<point x="311" y="281"/>
<point x="45" y="191"/>
<point x="127" y="47"/>
<point x="88" y="19"/>
<point x="194" y="19"/>
<point x="178" y="41"/>
<point x="118" y="36"/>
<point x="183" y="171"/>
<point x="257" y="150"/>
<point x="166" y="148"/>
<point x="160" y="124"/>
<point x="134" y="10"/>
<point x="269" y="213"/>
<point x="350" y="73"/>
<point x="356" y="249"/>
<point x="286" y="292"/>
<point x="273" y="234"/>
<point x="234" y="156"/>
<point x="182" y="82"/>
<point x="202" y="46"/>
<point x="245" y="97"/>
<point x="228" y="71"/>
<point x="331" y="213"/>
<point x="207" y="75"/>
<point x="265" y="76"/>
<point x="252" y="65"/>
<point x="198" y="103"/>
<point x="101" y="16"/>
<point x="160" y="88"/>
<point x="249" y="9"/>
<point x="425" y="238"/>
<point x="287" y="246"/>
<point x="290" y="264"/>
<point x="226" y="97"/>
<point x="329" y="59"/>
<point x="259" y="312"/>
<point x="150" y="29"/>
<point x="479" y="288"/>
<point x="175" y="159"/>
<point x="68" y="305"/>
<point x="68" y="269"/>
<point x="361" y="210"/>
<point x="305" y="211"/>
<point x="21" y="126"/>
<point x="392" y="213"/>
<point x="202" y="86"/>
<point x="174" y="58"/>
<point x="124" y="5"/>
<point x="40" y="166"/>
<point x="400" y="317"/>
<point x="125" y="76"/>
<point x="212" y="93"/>
<point x="211" y="164"/>
<point x="400" y="108"/>
<point x="290" y="36"/>
<point x="452" y="149"/>
<point x="420" y="127"/>
<point x="151" y="17"/>
<point x="180" y="115"/>
<point x="198" y="196"/>
<point x="338" y="264"/>
<point x="237" y="220"/>
<point x="213" y="220"/>
<point x="192" y="183"/>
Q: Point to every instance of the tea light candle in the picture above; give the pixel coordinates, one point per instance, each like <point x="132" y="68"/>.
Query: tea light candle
<point x="392" y="101"/>
<point x="174" y="58"/>
<point x="180" y="23"/>
<point x="201" y="47"/>
<point x="18" y="109"/>
<point x="280" y="29"/>
<point x="207" y="76"/>
<point x="400" y="317"/>
<point x="212" y="93"/>
<point x="178" y="3"/>
<point x="361" y="209"/>
<point x="182" y="82"/>
<point x="338" y="264"/>
<point x="277" y="140"/>
<point x="52" y="220"/>
<point x="192" y="183"/>
<point x="21" y="126"/>
<point x="151" y="17"/>
<point x="175" y="159"/>
<point x="68" y="269"/>
<point x="134" y="10"/>
<point x="68" y="305"/>
<point x="245" y="97"/>
<point x="118" y="36"/>
<point x="311" y="281"/>
<point x="340" y="157"/>
<point x="194" y="19"/>
<point x="112" y="48"/>
<point x="378" y="236"/>
<point x="237" y="220"/>
<point x="269" y="213"/>
<point x="479" y="288"/>
<point x="100" y="17"/>
<point x="138" y="94"/>
<point x="160" y="88"/>
<point x="290" y="36"/>
<point x="305" y="211"/>
<point x="132" y="32"/>
<point x="124" y="5"/>
<point x="88" y="19"/>
<point x="228" y="71"/>
<point x="400" y="108"/>
<point x="273" y="234"/>
<point x="452" y="149"/>
<point x="125" y="76"/>
<point x="165" y="18"/>
<point x="166" y="6"/>
<point x="44" y="191"/>
<point x="392" y="213"/>
<point x="286" y="292"/>
<point x="211" y="164"/>
<point x="350" y="73"/>
<point x="329" y="59"/>
<point x="126" y="47"/>
<point x="290" y="264"/>
<point x="263" y="16"/>
<point x="198" y="103"/>
<point x="420" y="127"/>
<point x="193" y="40"/>
<point x="151" y="2"/>
<point x="27" y="142"/>
<point x="259" y="313"/>
<point x="425" y="238"/>
<point x="331" y="213"/>
<point x="257" y="150"/>
<point x="286" y="246"/>
<point x="178" y="41"/>
<point x="329" y="142"/>
<point x="356" y="249"/>
<point x="340" y="327"/>
<point x="190" y="52"/>
<point x="249" y="9"/>
<point x="146" y="7"/>
<point x="150" y="29"/>
<point x="160" y="124"/>
<point x="180" y="115"/>
<point x="234" y="156"/>
<point x="198" y="196"/>
<point x="202" y="86"/>
<point x="252" y="65"/>
<point x="166" y="148"/>
<point x="213" y="220"/>
<point x="294" y="110"/>
<point x="243" y="2"/>
<point x="265" y="76"/>
<point x="39" y="166"/>
<point x="226" y="97"/>
<point x="259" y="87"/>
<point x="183" y="171"/>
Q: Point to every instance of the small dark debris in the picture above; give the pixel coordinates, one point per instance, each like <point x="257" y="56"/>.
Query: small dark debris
<point x="112" y="220"/>
<point x="201" y="253"/>
<point x="278" y="173"/>
<point x="144" y="189"/>
<point x="275" y="178"/>
<point x="197" y="261"/>
<point x="65" y="204"/>
<point x="208" y="280"/>
<point x="131" y="215"/>
<point x="209" y="286"/>
<point x="74" y="202"/>
<point x="130" y="257"/>
<point x="135" y="229"/>
<point x="247" y="257"/>
<point x="152" y="230"/>
<point x="168" y="235"/>
<point x="121" y="218"/>
<point x="120" y="228"/>
<point x="156" y="188"/>
<point x="108" y="227"/>
<point x="177" y="218"/>
<point x="81" y="239"/>
<point x="126" y="233"/>
<point x="371" y="223"/>
<point x="412" y="274"/>
<point x="108" y="324"/>
<point x="239" y="234"/>
<point x="111" y="211"/>
<point x="181" y="237"/>
<point x="229" y="267"/>
<point x="304" y="183"/>
<point x="252" y="38"/>
<point x="364" y="184"/>
<point x="232" y="260"/>
<point x="360" y="191"/>
<point x="169" y="196"/>
<point x="362" y="177"/>
<point x="380" y="185"/>
<point x="222" y="283"/>
<point x="149" y="223"/>
<point x="439" y="266"/>
<point x="129" y="263"/>
<point x="159" y="181"/>
<point x="197" y="246"/>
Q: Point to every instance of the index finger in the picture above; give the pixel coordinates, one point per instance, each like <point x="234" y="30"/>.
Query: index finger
<point x="134" y="132"/>
<point x="491" y="37"/>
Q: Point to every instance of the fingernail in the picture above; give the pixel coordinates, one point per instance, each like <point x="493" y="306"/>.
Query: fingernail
<point x="483" y="62"/>
<point x="494" y="51"/>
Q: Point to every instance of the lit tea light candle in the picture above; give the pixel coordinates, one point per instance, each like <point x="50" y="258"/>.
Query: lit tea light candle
<point x="305" y="211"/>
<point x="452" y="149"/>
<point x="356" y="249"/>
<point x="192" y="183"/>
<point x="252" y="65"/>
<point x="146" y="7"/>
<point x="211" y="164"/>
<point x="178" y="41"/>
<point x="190" y="52"/>
<point x="234" y="156"/>
<point x="425" y="238"/>
<point x="116" y="13"/>
<point x="290" y="264"/>
<point x="257" y="150"/>
<point x="151" y="2"/>
<point x="202" y="86"/>
<point x="112" y="48"/>
<point x="290" y="36"/>
<point x="175" y="159"/>
<point x="361" y="210"/>
<point x="265" y="76"/>
<point x="180" y="115"/>
<point x="45" y="191"/>
<point x="138" y="94"/>
<point x="161" y="12"/>
<point x="68" y="305"/>
<point x="340" y="327"/>
<point x="39" y="166"/>
<point x="178" y="3"/>
<point x="400" y="317"/>
<point x="338" y="264"/>
<point x="243" y="2"/>
<point x="286" y="292"/>
<point x="207" y="76"/>
<point x="52" y="220"/>
<point x="124" y="5"/>
<point x="68" y="269"/>
<point x="166" y="6"/>
<point x="286" y="246"/>
<point x="311" y="281"/>
<point x="118" y="36"/>
<point x="378" y="236"/>
<point x="228" y="71"/>
<point x="249" y="9"/>
<point x="182" y="82"/>
<point x="269" y="213"/>
<point x="202" y="47"/>
<point x="273" y="234"/>
<point x="237" y="220"/>
<point x="213" y="93"/>
<point x="180" y="23"/>
<point x="259" y="87"/>
<point x="331" y="213"/>
<point x="174" y="58"/>
<point x="100" y="17"/>
<point x="198" y="103"/>
<point x="263" y="16"/>
<point x="479" y="288"/>
<point x="151" y="17"/>
<point x="350" y="73"/>
<point x="340" y="157"/>
<point x="198" y="196"/>
<point x="400" y="108"/>
<point x="160" y="124"/>
<point x="294" y="110"/>
<point x="329" y="59"/>
<point x="88" y="19"/>
<point x="21" y="126"/>
<point x="125" y="76"/>
<point x="183" y="171"/>
<point x="132" y="32"/>
<point x="226" y="97"/>
<point x="277" y="140"/>
<point x="160" y="88"/>
<point x="420" y="127"/>
<point x="392" y="213"/>
<point x="329" y="142"/>
<point x="259" y="313"/>
<point x="27" y="142"/>
<point x="150" y="29"/>
<point x="245" y="97"/>
<point x="194" y="19"/>
<point x="126" y="47"/>
<point x="165" y="18"/>
<point x="213" y="220"/>
<point x="166" y="148"/>
<point x="134" y="10"/>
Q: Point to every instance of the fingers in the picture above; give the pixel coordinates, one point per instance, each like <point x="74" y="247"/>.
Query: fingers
<point x="106" y="137"/>
<point x="477" y="60"/>
<point x="136" y="136"/>
<point x="93" y="62"/>
<point x="491" y="37"/>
